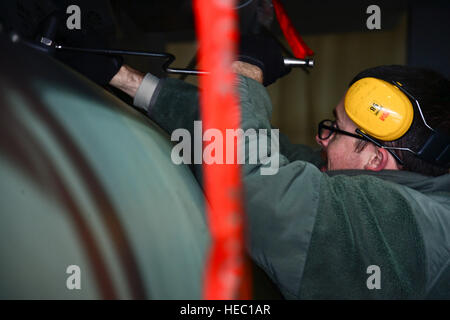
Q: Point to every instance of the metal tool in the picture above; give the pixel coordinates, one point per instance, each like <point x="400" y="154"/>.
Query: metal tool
<point x="46" y="45"/>
<point x="166" y="65"/>
<point x="291" y="62"/>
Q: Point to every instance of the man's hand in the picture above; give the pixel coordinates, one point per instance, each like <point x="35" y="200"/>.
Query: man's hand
<point x="128" y="80"/>
<point x="248" y="70"/>
<point x="264" y="53"/>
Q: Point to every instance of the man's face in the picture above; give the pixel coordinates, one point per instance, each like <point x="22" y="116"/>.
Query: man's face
<point x="340" y="149"/>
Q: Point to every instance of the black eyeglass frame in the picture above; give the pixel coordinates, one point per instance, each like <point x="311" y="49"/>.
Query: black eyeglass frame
<point x="360" y="135"/>
<point x="334" y="128"/>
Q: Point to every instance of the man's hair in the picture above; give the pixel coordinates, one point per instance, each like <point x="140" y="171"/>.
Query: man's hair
<point x="432" y="91"/>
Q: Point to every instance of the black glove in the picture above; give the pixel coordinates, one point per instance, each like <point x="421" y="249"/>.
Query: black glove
<point x="99" y="68"/>
<point x="265" y="53"/>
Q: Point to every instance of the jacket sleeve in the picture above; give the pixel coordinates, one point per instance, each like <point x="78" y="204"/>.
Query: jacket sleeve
<point x="281" y="207"/>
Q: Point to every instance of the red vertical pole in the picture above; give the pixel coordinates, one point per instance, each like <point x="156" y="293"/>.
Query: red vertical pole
<point x="225" y="274"/>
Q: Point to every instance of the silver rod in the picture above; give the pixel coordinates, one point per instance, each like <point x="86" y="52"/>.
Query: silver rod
<point x="291" y="62"/>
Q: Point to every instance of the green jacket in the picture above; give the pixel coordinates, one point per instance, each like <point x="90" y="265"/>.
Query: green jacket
<point x="318" y="234"/>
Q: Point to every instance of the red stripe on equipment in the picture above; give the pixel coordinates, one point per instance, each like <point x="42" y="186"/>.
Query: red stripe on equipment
<point x="298" y="46"/>
<point x="225" y="274"/>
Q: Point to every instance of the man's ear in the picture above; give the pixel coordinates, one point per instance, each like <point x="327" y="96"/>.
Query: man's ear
<point x="378" y="160"/>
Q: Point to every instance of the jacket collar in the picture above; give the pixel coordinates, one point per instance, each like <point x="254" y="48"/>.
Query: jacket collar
<point x="412" y="180"/>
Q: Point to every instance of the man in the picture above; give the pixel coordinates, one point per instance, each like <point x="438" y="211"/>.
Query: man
<point x="375" y="225"/>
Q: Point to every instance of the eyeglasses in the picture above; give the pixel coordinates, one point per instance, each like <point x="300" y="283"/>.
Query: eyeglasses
<point x="327" y="128"/>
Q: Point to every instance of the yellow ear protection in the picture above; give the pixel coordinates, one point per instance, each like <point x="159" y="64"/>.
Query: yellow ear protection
<point x="383" y="111"/>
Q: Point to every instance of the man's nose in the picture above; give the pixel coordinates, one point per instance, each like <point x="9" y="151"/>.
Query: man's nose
<point x="322" y="143"/>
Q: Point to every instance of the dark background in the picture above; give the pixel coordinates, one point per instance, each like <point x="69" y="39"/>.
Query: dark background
<point x="150" y="24"/>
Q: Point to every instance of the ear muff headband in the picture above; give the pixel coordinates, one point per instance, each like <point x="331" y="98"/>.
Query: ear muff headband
<point x="379" y="108"/>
